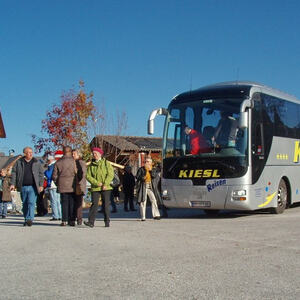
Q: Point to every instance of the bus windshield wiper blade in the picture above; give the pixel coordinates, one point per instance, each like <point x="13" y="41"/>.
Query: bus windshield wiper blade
<point x="230" y="167"/>
<point x="174" y="163"/>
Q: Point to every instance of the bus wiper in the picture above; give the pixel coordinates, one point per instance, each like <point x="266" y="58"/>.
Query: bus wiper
<point x="174" y="163"/>
<point x="230" y="167"/>
<point x="177" y="160"/>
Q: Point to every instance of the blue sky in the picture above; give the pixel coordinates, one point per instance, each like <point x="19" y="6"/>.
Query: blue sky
<point x="135" y="55"/>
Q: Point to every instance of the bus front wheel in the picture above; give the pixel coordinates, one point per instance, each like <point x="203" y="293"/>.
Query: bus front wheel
<point x="281" y="198"/>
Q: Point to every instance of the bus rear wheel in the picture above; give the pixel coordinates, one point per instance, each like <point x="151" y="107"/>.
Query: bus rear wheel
<point x="281" y="198"/>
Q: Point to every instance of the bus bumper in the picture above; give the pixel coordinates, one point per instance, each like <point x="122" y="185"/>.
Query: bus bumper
<point x="214" y="195"/>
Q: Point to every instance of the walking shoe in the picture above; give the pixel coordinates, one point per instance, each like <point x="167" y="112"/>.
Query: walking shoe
<point x="106" y="224"/>
<point x="72" y="223"/>
<point x="156" y="218"/>
<point x="88" y="224"/>
<point x="29" y="222"/>
<point x="3" y="217"/>
<point x="53" y="219"/>
<point x="63" y="224"/>
<point x="24" y="224"/>
<point x="79" y="222"/>
<point x="143" y="220"/>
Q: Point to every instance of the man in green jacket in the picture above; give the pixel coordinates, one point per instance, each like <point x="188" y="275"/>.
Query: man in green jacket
<point x="100" y="173"/>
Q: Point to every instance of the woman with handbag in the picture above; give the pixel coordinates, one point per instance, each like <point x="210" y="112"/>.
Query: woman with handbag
<point x="80" y="184"/>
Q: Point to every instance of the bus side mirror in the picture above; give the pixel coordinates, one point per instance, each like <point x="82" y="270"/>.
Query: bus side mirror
<point x="154" y="113"/>
<point x="150" y="126"/>
<point x="243" y="121"/>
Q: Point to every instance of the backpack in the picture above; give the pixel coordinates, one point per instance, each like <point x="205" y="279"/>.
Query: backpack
<point x="116" y="180"/>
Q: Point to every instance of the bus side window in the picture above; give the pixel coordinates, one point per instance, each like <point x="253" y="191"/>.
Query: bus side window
<point x="258" y="147"/>
<point x="240" y="135"/>
<point x="177" y="146"/>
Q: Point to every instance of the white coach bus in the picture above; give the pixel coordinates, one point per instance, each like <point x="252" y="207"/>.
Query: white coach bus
<point x="231" y="146"/>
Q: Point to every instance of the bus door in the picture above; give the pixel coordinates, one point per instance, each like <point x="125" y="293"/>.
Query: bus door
<point x="257" y="150"/>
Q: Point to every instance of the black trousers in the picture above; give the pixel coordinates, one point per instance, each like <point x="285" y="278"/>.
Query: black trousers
<point x="67" y="207"/>
<point x="105" y="197"/>
<point x="128" y="198"/>
<point x="41" y="204"/>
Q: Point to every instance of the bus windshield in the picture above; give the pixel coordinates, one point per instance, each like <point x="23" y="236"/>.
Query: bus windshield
<point x="205" y="128"/>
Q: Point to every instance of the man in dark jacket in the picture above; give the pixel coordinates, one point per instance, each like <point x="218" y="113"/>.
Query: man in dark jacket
<point x="27" y="177"/>
<point x="128" y="188"/>
<point x="64" y="176"/>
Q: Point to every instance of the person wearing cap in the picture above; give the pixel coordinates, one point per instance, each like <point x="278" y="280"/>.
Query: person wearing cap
<point x="58" y="154"/>
<point x="64" y="176"/>
<point x="100" y="173"/>
<point x="52" y="189"/>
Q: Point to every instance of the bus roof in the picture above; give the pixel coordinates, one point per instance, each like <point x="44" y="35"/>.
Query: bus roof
<point x="233" y="89"/>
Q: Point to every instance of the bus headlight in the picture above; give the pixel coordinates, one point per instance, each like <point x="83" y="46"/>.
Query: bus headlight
<point x="239" y="195"/>
<point x="165" y="195"/>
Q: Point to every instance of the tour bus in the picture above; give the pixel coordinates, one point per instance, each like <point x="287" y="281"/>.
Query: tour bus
<point x="252" y="163"/>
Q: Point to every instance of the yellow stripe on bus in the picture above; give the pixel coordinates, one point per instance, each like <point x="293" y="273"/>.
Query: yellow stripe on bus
<point x="269" y="199"/>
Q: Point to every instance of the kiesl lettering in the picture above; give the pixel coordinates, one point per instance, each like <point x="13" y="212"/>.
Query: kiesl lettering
<point x="199" y="173"/>
<point x="216" y="183"/>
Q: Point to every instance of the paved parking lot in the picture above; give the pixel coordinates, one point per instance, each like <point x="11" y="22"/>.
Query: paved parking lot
<point x="187" y="256"/>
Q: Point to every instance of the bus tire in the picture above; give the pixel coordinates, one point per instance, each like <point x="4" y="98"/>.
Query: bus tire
<point x="282" y="197"/>
<point x="211" y="212"/>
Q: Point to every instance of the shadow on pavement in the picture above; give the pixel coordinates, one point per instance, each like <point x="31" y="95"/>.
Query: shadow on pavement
<point x="121" y="215"/>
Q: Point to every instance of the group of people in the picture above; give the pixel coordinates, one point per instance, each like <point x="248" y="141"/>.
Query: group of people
<point x="66" y="179"/>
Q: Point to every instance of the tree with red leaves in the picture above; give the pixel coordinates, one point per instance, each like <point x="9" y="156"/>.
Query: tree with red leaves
<point x="68" y="123"/>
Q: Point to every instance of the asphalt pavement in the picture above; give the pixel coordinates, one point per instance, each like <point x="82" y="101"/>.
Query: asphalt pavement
<point x="186" y="256"/>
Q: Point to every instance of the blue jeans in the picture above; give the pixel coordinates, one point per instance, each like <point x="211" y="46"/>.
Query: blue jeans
<point x="29" y="196"/>
<point x="55" y="203"/>
<point x="3" y="208"/>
